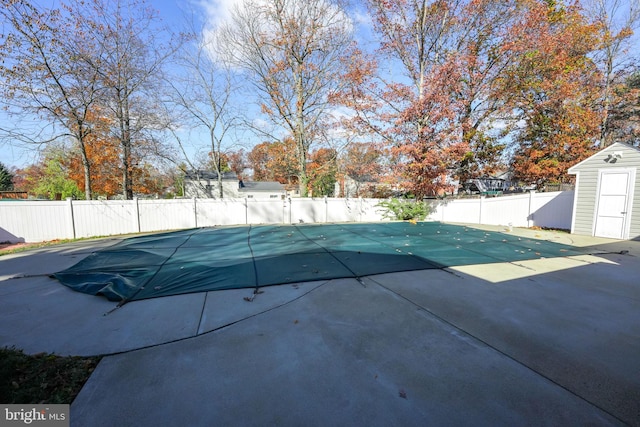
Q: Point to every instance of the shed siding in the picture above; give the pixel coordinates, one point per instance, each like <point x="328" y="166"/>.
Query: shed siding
<point x="588" y="172"/>
<point x="586" y="202"/>
<point x="634" y="231"/>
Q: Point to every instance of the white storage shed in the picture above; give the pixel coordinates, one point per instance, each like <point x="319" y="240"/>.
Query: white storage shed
<point x="607" y="195"/>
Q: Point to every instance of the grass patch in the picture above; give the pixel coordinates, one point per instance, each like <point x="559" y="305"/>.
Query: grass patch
<point x="30" y="246"/>
<point x="42" y="378"/>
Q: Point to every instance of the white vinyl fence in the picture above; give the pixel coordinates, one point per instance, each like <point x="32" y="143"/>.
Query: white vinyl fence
<point x="36" y="221"/>
<point x="551" y="210"/>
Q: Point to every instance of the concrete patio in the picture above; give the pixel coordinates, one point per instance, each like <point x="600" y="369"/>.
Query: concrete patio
<point x="552" y="341"/>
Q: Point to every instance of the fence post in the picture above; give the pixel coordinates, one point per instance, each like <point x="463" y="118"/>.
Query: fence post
<point x="480" y="214"/>
<point x="195" y="212"/>
<point x="326" y="209"/>
<point x="71" y="217"/>
<point x="529" y="213"/>
<point x="246" y="210"/>
<point x="135" y="199"/>
<point x="284" y="209"/>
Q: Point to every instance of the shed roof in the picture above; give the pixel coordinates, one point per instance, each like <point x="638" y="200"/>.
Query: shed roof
<point x="616" y="146"/>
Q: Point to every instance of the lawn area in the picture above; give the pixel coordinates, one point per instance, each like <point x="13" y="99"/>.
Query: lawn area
<point x="42" y="378"/>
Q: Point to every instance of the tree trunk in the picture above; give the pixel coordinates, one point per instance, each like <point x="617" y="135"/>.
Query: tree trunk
<point x="127" y="191"/>
<point x="301" y="143"/>
<point x="86" y="165"/>
<point x="605" y="134"/>
<point x="218" y="161"/>
<point x="125" y="131"/>
<point x="303" y="179"/>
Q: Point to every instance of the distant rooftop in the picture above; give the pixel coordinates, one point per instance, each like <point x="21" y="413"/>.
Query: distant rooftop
<point x="205" y="174"/>
<point x="261" y="186"/>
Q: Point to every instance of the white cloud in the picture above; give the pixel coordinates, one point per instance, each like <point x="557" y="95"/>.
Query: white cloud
<point x="362" y="17"/>
<point x="259" y="123"/>
<point x="217" y="12"/>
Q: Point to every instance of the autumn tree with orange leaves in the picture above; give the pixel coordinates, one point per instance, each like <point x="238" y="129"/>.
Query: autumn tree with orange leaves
<point x="412" y="114"/>
<point x="60" y="171"/>
<point x="275" y="161"/>
<point x="323" y="168"/>
<point x="437" y="117"/>
<point x="555" y="84"/>
<point x="237" y="161"/>
<point x="477" y="73"/>
<point x="362" y="162"/>
<point x="104" y="155"/>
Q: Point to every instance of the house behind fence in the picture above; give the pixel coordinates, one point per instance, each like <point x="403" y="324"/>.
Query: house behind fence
<point x="205" y="184"/>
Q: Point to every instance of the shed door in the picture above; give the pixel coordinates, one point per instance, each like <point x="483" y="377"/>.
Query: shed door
<point x="614" y="203"/>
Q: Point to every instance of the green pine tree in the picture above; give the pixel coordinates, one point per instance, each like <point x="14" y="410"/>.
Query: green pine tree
<point x="6" y="178"/>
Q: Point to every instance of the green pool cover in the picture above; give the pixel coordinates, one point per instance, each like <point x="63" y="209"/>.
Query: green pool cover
<point x="208" y="259"/>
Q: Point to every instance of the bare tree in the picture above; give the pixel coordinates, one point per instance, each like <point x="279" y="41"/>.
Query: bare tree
<point x="202" y="93"/>
<point x="48" y="63"/>
<point x="136" y="47"/>
<point x="616" y="57"/>
<point x="294" y="51"/>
